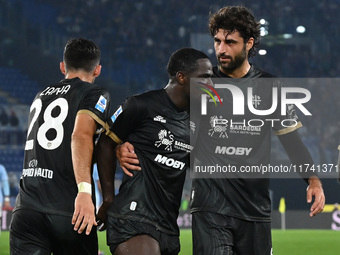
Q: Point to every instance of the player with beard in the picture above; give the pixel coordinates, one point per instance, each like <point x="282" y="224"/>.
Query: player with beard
<point x="232" y="215"/>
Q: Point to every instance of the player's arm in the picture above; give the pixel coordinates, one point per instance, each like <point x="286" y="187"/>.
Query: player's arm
<point x="106" y="163"/>
<point x="300" y="156"/>
<point x="127" y="158"/>
<point x="82" y="150"/>
<point x="6" y="189"/>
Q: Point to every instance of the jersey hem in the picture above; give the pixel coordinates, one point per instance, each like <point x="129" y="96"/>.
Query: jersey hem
<point x="252" y="219"/>
<point x="143" y="220"/>
<point x="43" y="211"/>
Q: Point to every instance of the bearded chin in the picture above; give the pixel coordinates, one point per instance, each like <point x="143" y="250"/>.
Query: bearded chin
<point x="235" y="63"/>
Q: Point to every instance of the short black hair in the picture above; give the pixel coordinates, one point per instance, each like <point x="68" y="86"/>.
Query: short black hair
<point x="238" y="18"/>
<point x="81" y="53"/>
<point x="184" y="60"/>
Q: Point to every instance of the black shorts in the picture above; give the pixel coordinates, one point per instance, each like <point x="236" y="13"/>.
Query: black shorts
<point x="120" y="230"/>
<point x="40" y="233"/>
<point x="217" y="234"/>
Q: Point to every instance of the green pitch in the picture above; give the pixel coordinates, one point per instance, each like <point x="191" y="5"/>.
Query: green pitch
<point x="292" y="242"/>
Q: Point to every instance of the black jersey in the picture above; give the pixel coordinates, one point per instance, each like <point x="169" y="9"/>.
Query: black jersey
<point x="238" y="145"/>
<point x="47" y="183"/>
<point x="160" y="134"/>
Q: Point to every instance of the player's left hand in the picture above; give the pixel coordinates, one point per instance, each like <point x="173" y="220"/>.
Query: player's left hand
<point x="84" y="213"/>
<point x="315" y="189"/>
<point x="102" y="216"/>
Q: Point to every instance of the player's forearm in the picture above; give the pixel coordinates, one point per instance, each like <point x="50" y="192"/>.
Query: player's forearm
<point x="6" y="189"/>
<point x="82" y="152"/>
<point x="298" y="153"/>
<point x="107" y="163"/>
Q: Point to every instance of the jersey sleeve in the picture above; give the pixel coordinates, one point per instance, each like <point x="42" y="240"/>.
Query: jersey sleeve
<point x="288" y="121"/>
<point x="96" y="103"/>
<point x="125" y="119"/>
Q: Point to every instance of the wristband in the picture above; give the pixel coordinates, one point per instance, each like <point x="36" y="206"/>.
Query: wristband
<point x="85" y="187"/>
<point x="7" y="199"/>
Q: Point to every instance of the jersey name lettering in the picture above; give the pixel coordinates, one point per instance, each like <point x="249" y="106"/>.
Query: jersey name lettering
<point x="52" y="90"/>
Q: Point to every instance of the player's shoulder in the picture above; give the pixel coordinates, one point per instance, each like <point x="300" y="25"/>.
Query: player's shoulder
<point x="259" y="73"/>
<point x="150" y="97"/>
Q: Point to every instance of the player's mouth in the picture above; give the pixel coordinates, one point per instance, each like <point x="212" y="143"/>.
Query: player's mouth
<point x="225" y="59"/>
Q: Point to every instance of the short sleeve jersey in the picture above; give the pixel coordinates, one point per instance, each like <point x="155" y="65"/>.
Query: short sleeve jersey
<point x="239" y="140"/>
<point x="160" y="134"/>
<point x="47" y="183"/>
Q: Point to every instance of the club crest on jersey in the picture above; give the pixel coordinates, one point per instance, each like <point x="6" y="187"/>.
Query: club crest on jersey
<point x="101" y="104"/>
<point x="116" y="114"/>
<point x="218" y="127"/>
<point x="166" y="138"/>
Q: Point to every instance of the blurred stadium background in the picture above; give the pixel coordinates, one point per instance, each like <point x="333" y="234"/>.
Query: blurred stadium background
<point x="299" y="40"/>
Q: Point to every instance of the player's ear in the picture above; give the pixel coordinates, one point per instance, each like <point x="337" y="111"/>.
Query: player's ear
<point x="250" y="44"/>
<point x="62" y="68"/>
<point x="97" y="71"/>
<point x="181" y="77"/>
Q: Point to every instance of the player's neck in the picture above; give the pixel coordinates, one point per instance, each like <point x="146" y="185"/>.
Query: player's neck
<point x="81" y="75"/>
<point x="239" y="72"/>
<point x="176" y="96"/>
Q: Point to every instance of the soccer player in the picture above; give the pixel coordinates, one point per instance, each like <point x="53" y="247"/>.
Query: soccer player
<point x="56" y="188"/>
<point x="232" y="215"/>
<point x="142" y="219"/>
<point x="4" y="191"/>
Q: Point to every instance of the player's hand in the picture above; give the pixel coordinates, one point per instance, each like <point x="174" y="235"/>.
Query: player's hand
<point x="315" y="189"/>
<point x="84" y="213"/>
<point x="127" y="158"/>
<point x="102" y="216"/>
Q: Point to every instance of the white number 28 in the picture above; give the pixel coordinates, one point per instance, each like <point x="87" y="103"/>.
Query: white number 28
<point x="50" y="122"/>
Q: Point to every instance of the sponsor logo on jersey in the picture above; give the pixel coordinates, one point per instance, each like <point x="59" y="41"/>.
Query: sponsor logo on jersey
<point x="183" y="146"/>
<point x="166" y="139"/>
<point x="101" y="104"/>
<point x="245" y="130"/>
<point x="34" y="171"/>
<point x="218" y="127"/>
<point x="238" y="151"/>
<point x="215" y="99"/>
<point x="170" y="162"/>
<point x="159" y="119"/>
<point x="116" y="114"/>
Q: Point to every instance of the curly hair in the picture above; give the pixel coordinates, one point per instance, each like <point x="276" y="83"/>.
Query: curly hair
<point x="232" y="18"/>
